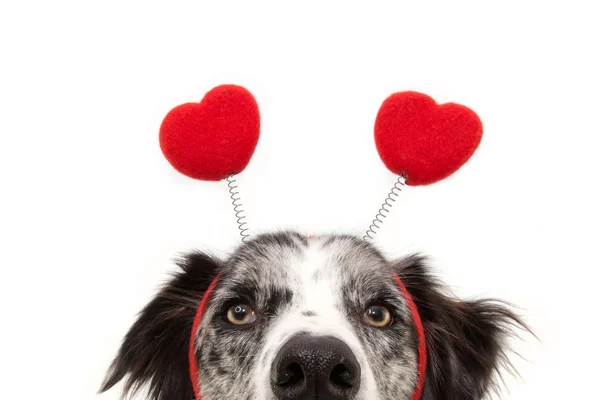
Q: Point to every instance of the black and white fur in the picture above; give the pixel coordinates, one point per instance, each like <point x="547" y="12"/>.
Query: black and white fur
<point x="319" y="286"/>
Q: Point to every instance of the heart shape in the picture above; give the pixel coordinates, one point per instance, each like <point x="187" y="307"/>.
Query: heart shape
<point x="422" y="140"/>
<point x="214" y="138"/>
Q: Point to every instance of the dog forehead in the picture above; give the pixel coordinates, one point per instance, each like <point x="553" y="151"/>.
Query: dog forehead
<point x="292" y="260"/>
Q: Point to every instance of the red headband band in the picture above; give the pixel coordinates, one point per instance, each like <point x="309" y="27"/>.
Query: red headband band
<point x="414" y="312"/>
<point x="422" y="366"/>
<point x="192" y="353"/>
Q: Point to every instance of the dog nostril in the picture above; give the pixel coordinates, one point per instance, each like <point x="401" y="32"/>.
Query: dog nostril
<point x="342" y="377"/>
<point x="291" y="375"/>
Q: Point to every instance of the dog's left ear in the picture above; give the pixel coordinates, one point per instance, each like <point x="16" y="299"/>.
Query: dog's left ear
<point x="155" y="350"/>
<point x="466" y="340"/>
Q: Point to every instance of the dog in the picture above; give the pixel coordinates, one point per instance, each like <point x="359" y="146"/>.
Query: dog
<point x="325" y="317"/>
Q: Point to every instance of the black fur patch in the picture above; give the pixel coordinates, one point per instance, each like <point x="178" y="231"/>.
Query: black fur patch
<point x="155" y="350"/>
<point x="466" y="340"/>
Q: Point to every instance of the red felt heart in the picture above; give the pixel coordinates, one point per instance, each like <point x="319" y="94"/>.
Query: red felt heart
<point x="422" y="140"/>
<point x="212" y="139"/>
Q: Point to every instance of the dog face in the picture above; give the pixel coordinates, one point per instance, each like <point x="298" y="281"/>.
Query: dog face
<point x="322" y="318"/>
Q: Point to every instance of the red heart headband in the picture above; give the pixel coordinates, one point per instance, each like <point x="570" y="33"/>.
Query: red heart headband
<point x="419" y="140"/>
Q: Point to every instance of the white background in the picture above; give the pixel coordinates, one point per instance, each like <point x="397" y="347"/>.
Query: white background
<point x="91" y="213"/>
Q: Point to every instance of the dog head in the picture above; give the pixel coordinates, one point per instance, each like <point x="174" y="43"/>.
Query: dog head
<point x="297" y="318"/>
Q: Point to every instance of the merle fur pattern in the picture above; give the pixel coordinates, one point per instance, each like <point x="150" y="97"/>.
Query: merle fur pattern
<point x="319" y="286"/>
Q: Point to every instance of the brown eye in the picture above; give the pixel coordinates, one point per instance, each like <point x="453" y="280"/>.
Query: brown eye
<point x="241" y="314"/>
<point x="378" y="316"/>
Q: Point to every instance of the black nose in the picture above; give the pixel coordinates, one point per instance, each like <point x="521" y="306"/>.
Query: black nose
<point x="311" y="367"/>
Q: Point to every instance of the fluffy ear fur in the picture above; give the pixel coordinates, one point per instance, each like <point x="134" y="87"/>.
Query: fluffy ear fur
<point x="466" y="340"/>
<point x="155" y="351"/>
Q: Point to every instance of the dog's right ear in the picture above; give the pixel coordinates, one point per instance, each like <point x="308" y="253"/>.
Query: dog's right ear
<point x="154" y="352"/>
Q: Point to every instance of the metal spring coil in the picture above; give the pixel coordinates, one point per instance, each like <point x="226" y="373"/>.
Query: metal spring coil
<point x="385" y="208"/>
<point x="237" y="207"/>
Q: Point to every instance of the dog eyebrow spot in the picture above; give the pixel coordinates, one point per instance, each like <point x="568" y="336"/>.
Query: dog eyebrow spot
<point x="309" y="313"/>
<point x="317" y="275"/>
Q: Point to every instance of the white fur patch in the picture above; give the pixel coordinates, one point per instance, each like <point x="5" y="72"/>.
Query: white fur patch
<point x="314" y="279"/>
